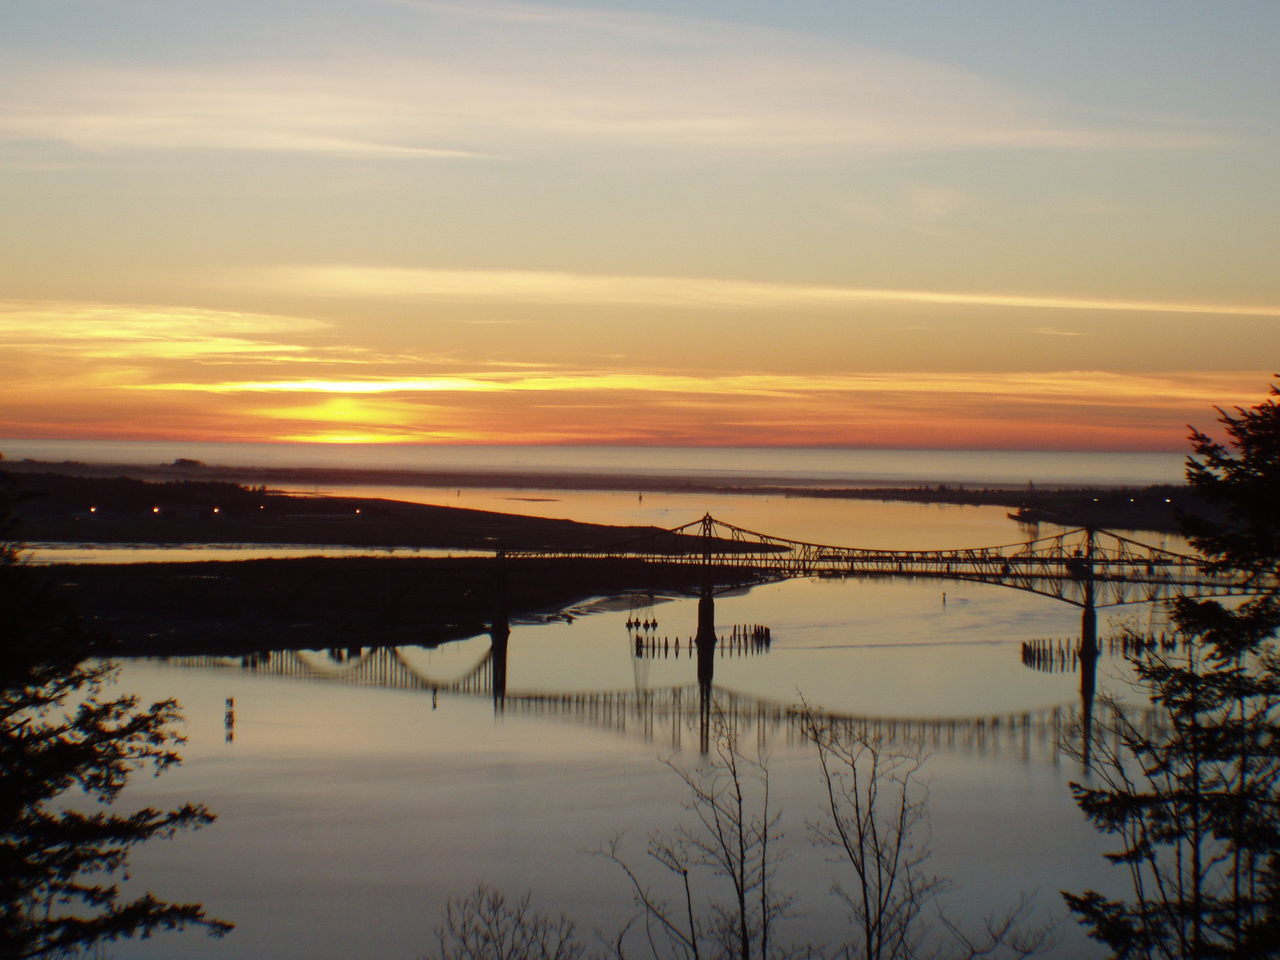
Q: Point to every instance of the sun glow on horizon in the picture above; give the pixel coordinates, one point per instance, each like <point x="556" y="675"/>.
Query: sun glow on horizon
<point x="385" y="222"/>
<point x="93" y="369"/>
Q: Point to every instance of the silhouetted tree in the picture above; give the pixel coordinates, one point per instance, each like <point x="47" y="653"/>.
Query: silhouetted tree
<point x="876" y="826"/>
<point x="732" y="846"/>
<point x="484" y="925"/>
<point x="1195" y="800"/>
<point x="66" y="748"/>
<point x="1242" y="480"/>
<point x="877" y="812"/>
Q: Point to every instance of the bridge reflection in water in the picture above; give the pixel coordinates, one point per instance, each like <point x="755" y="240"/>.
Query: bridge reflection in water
<point x="671" y="714"/>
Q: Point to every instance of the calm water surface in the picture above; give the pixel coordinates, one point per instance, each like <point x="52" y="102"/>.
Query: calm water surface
<point x="358" y="790"/>
<point x="795" y="464"/>
<point x="860" y="523"/>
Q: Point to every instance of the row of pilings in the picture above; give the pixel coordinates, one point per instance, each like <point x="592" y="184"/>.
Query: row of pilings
<point x="743" y="640"/>
<point x="1063" y="654"/>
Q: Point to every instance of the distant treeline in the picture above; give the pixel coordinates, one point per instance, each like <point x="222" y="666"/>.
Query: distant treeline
<point x="57" y="493"/>
<point x="1157" y="508"/>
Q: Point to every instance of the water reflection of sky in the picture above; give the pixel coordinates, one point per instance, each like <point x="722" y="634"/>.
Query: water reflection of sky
<point x="856" y="523"/>
<point x="348" y="814"/>
<point x="819" y="520"/>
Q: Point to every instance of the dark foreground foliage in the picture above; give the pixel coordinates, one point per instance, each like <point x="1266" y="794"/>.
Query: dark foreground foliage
<point x="1195" y="799"/>
<point x="66" y="752"/>
<point x="710" y="890"/>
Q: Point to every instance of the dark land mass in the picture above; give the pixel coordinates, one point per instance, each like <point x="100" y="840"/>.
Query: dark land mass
<point x="232" y="608"/>
<point x="1156" y="508"/>
<point x="60" y="508"/>
<point x="166" y="609"/>
<point x="1153" y="508"/>
<point x="176" y="609"/>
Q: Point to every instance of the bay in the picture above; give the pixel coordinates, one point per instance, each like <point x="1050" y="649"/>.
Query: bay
<point x="800" y="465"/>
<point x="352" y="806"/>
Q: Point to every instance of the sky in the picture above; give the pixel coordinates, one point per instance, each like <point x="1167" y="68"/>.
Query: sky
<point x="999" y="224"/>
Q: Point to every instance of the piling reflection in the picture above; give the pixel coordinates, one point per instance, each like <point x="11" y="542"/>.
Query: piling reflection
<point x="499" y="635"/>
<point x="673" y="713"/>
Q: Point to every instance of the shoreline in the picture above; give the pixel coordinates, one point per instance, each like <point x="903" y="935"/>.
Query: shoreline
<point x="1152" y="508"/>
<point x="168" y="607"/>
<point x="193" y="470"/>
<point x="234" y="608"/>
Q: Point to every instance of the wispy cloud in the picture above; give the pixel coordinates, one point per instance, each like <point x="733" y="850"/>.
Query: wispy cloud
<point x="1087" y="387"/>
<point x="456" y="81"/>
<point x="1025" y="410"/>
<point x="135" y="332"/>
<point x="694" y="293"/>
<point x="77" y="369"/>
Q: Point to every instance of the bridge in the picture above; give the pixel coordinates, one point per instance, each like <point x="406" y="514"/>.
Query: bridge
<point x="1085" y="567"/>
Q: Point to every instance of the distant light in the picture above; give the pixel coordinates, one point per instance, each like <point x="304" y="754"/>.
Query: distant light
<point x="357" y="509"/>
<point x="261" y="507"/>
<point x="1095" y="499"/>
<point x="217" y="509"/>
<point x="1131" y="499"/>
<point x="1167" y="500"/>
<point x="155" y="509"/>
<point x="93" y="509"/>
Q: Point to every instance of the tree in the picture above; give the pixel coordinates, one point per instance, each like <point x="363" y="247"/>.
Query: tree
<point x="725" y="902"/>
<point x="876" y="825"/>
<point x="65" y="748"/>
<point x="876" y="814"/>
<point x="1242" y="481"/>
<point x="1195" y="802"/>
<point x="484" y="926"/>
<point x="734" y="838"/>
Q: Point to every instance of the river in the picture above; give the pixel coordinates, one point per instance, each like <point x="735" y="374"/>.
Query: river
<point x="358" y="790"/>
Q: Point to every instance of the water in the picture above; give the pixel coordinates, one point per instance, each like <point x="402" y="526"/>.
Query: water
<point x="861" y="523"/>
<point x="811" y="466"/>
<point x="358" y="791"/>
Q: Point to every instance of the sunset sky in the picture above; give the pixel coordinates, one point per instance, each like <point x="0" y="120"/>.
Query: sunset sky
<point x="903" y="223"/>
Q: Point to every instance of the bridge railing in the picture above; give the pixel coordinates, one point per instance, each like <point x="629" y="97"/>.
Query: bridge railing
<point x="1080" y="566"/>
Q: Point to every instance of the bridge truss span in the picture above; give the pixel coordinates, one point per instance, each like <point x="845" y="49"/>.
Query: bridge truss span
<point x="1085" y="567"/>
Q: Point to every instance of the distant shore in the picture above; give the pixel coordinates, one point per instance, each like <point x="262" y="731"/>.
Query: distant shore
<point x="234" y="607"/>
<point x="1151" y="508"/>
<point x="237" y="608"/>
<point x="185" y="469"/>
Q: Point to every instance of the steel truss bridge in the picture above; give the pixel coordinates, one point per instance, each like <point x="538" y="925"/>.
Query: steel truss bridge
<point x="1086" y="567"/>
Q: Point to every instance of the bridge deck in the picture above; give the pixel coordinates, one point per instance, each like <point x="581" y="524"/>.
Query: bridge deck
<point x="1084" y="567"/>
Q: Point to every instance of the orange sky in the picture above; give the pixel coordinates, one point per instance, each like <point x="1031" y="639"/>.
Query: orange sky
<point x="532" y="223"/>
